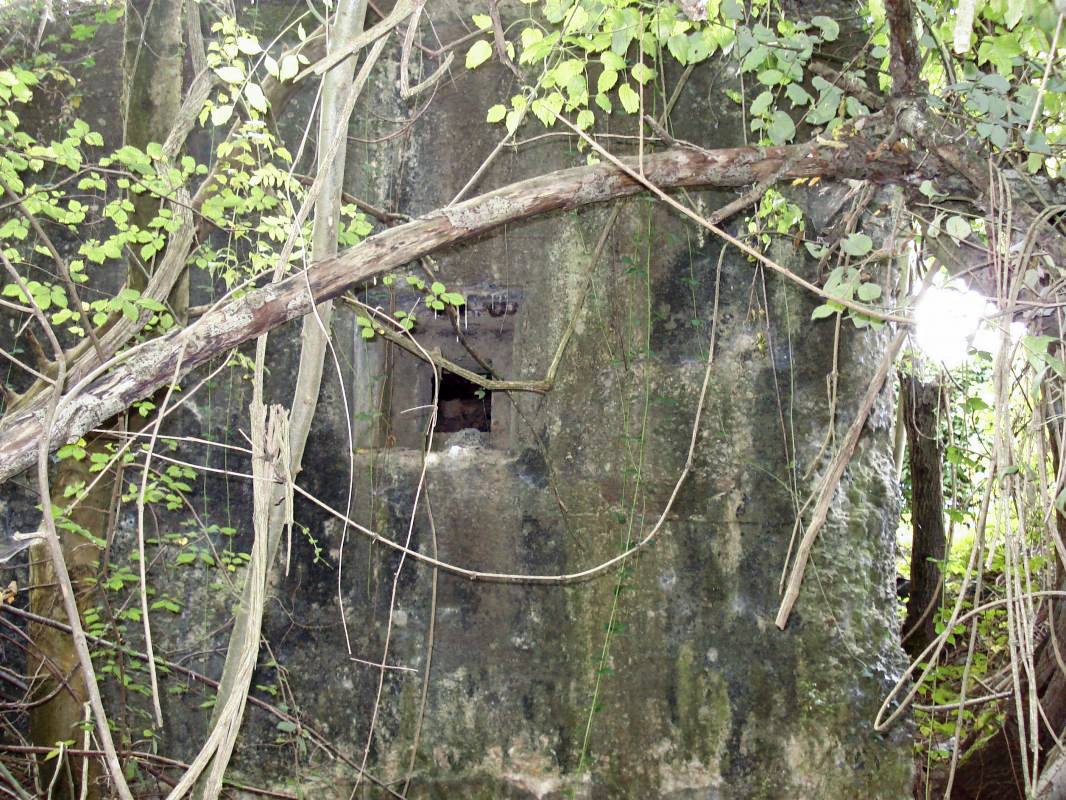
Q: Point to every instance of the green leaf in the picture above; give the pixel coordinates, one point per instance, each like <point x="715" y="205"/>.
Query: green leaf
<point x="577" y="91"/>
<point x="230" y="74"/>
<point x="1060" y="502"/>
<point x="678" y="45"/>
<point x="854" y="108"/>
<point x="220" y="114"/>
<point x="249" y="46"/>
<point x="826" y="107"/>
<point x="585" y="119"/>
<point x="957" y="227"/>
<point x="496" y="113"/>
<point x="857" y="244"/>
<point x="514" y="118"/>
<point x="929" y="190"/>
<point x="290" y="65"/>
<point x="868" y="292"/>
<point x="782" y="128"/>
<point x="1035" y="348"/>
<point x="546" y="108"/>
<point x="256" y="99"/>
<point x="479" y="52"/>
<point x="829" y="27"/>
<point x="608" y="78"/>
<point x="536" y="46"/>
<point x="483" y="21"/>
<point x="75" y="451"/>
<point x="995" y="82"/>
<point x="629" y="99"/>
<point x="996" y="134"/>
<point x="761" y="103"/>
<point x="770" y="77"/>
<point x="825" y="310"/>
<point x="567" y="70"/>
<point x="642" y="73"/>
<point x="731" y="9"/>
<point x="437" y="287"/>
<point x="797" y="94"/>
<point x="1000" y="51"/>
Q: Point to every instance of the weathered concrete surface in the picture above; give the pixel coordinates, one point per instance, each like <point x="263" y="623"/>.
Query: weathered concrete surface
<point x="699" y="695"/>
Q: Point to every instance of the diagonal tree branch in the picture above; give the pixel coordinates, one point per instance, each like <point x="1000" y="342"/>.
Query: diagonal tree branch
<point x="139" y="371"/>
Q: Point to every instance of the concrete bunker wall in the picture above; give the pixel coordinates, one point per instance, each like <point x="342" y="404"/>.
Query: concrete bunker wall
<point x="695" y="693"/>
<point x="699" y="695"/>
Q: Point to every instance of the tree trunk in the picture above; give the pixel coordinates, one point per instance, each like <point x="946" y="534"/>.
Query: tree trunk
<point x="921" y="406"/>
<point x="60" y="717"/>
<point x="153" y="66"/>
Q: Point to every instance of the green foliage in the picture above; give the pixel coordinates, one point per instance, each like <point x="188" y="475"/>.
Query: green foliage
<point x="253" y="199"/>
<point x="609" y="55"/>
<point x="590" y="51"/>
<point x="435" y="298"/>
<point x="849" y="283"/>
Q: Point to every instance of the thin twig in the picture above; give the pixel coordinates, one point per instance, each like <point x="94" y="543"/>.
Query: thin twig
<point x="1047" y="74"/>
<point x="61" y="264"/>
<point x="317" y="738"/>
<point x="408" y="91"/>
<point x="139" y="755"/>
<point x="431" y="428"/>
<point x="427" y="665"/>
<point x="143" y="561"/>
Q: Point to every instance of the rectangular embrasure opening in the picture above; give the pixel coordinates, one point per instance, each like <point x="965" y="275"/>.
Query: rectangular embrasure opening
<point x="487" y="323"/>
<point x="462" y="404"/>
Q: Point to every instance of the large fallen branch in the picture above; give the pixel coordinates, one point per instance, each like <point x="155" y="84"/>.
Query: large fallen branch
<point x="143" y="369"/>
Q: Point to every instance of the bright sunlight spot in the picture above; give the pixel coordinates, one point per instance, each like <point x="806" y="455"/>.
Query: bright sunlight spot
<point x="948" y="321"/>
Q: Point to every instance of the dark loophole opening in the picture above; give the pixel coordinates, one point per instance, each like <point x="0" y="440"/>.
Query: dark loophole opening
<point x="459" y="405"/>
